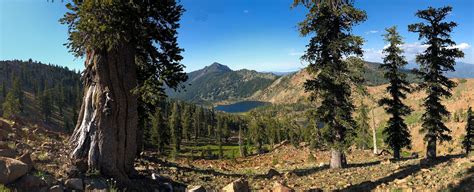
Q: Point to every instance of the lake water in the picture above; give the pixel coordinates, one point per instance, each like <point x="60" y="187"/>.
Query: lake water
<point x="240" y="107"/>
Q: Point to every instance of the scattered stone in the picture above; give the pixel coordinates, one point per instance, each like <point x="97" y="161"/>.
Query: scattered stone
<point x="386" y="162"/>
<point x="238" y="185"/>
<point x="8" y="153"/>
<point x="272" y="173"/>
<point x="279" y="187"/>
<point x="26" y="159"/>
<point x="56" y="188"/>
<point x="196" y="189"/>
<point x="3" y="134"/>
<point x="95" y="184"/>
<point x="75" y="183"/>
<point x="11" y="169"/>
<point x="30" y="182"/>
<point x="322" y="164"/>
<point x="4" y="145"/>
<point x="414" y="155"/>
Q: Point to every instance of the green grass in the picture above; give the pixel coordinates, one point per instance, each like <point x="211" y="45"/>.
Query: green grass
<point x="229" y="151"/>
<point x="413" y="118"/>
<point x="3" y="188"/>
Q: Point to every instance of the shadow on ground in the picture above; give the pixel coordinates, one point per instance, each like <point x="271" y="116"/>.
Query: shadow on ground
<point x="406" y="171"/>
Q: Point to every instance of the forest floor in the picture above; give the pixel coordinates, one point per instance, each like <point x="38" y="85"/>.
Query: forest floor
<point x="299" y="168"/>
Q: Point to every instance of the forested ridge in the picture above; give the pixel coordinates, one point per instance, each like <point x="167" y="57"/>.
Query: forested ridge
<point x="134" y="120"/>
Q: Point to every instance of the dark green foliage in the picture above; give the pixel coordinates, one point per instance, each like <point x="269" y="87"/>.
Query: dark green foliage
<point x="363" y="136"/>
<point x="175" y="128"/>
<point x="11" y="106"/>
<point x="159" y="134"/>
<point x="396" y="132"/>
<point x="330" y="24"/>
<point x="46" y="105"/>
<point x="468" y="139"/>
<point x="151" y="26"/>
<point x="63" y="85"/>
<point x="435" y="61"/>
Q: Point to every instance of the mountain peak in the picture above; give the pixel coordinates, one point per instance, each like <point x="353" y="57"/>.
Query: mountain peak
<point x="217" y="67"/>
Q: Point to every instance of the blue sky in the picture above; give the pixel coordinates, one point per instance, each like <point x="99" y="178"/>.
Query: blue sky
<point x="252" y="34"/>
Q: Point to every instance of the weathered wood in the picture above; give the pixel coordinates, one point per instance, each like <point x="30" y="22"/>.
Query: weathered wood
<point x="106" y="131"/>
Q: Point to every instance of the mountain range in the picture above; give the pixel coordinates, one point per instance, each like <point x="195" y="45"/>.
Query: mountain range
<point x="218" y="84"/>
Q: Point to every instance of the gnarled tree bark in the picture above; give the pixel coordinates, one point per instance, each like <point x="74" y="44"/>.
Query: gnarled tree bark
<point x="106" y="131"/>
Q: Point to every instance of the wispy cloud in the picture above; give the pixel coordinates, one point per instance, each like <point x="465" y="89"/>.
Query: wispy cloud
<point x="246" y="11"/>
<point x="462" y="46"/>
<point x="371" y="32"/>
<point x="410" y="51"/>
<point x="294" y="52"/>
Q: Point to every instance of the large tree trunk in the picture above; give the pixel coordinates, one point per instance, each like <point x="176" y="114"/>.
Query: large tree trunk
<point x="396" y="153"/>
<point x="431" y="148"/>
<point x="106" y="131"/>
<point x="337" y="159"/>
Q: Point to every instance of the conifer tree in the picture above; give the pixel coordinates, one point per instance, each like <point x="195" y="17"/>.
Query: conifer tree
<point x="363" y="136"/>
<point x="186" y="122"/>
<point x="11" y="105"/>
<point x="468" y="140"/>
<point x="397" y="135"/>
<point x="175" y="127"/>
<point x="18" y="92"/>
<point x="438" y="58"/>
<point x="159" y="132"/>
<point x="46" y="105"/>
<point x="131" y="53"/>
<point x="197" y="118"/>
<point x="331" y="21"/>
<point x="220" y="125"/>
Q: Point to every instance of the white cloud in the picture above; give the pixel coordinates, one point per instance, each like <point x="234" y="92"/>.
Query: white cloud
<point x="371" y="32"/>
<point x="246" y="11"/>
<point x="374" y="55"/>
<point x="410" y="51"/>
<point x="461" y="46"/>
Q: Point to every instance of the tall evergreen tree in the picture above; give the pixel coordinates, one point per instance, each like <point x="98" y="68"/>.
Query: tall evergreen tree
<point x="219" y="127"/>
<point x="18" y="92"/>
<point x="396" y="133"/>
<point x="175" y="128"/>
<point x="186" y="122"/>
<point x="46" y="105"/>
<point x="131" y="52"/>
<point x="331" y="21"/>
<point x="159" y="132"/>
<point x="197" y="118"/>
<point x="363" y="136"/>
<point x="468" y="140"/>
<point x="438" y="58"/>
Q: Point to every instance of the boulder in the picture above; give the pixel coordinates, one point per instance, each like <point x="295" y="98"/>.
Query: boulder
<point x="95" y="184"/>
<point x="75" y="183"/>
<point x="8" y="153"/>
<point x="26" y="159"/>
<point x="30" y="182"/>
<point x="5" y="126"/>
<point x="3" y="134"/>
<point x="196" y="189"/>
<point x="238" y="185"/>
<point x="279" y="187"/>
<point x="11" y="169"/>
<point x="4" y="145"/>
<point x="56" y="188"/>
<point x="272" y="173"/>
